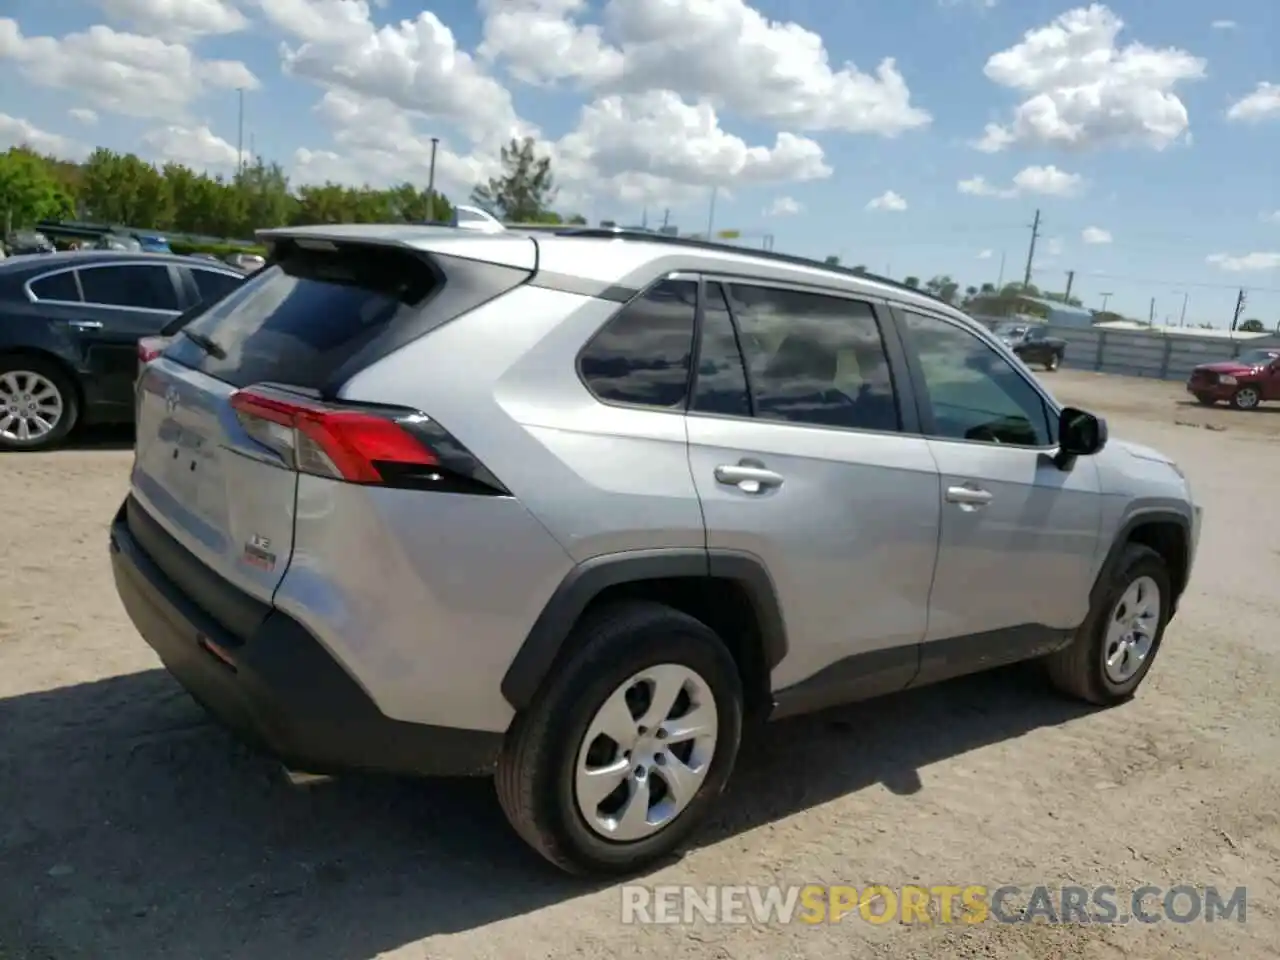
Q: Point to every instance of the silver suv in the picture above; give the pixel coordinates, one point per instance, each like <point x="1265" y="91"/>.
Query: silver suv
<point x="580" y="507"/>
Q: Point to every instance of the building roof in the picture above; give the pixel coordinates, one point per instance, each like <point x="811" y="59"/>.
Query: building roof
<point x="1217" y="333"/>
<point x="1057" y="307"/>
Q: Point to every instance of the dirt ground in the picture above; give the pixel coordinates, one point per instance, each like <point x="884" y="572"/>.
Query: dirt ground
<point x="133" y="828"/>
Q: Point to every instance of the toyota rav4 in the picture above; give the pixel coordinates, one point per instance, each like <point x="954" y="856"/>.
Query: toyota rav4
<point x="579" y="508"/>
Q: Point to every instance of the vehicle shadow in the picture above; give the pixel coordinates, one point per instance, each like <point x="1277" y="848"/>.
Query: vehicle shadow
<point x="1193" y="405"/>
<point x="135" y="827"/>
<point x="112" y="437"/>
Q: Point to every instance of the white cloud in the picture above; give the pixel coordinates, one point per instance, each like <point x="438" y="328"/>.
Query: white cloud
<point x="1224" y="25"/>
<point x="83" y="115"/>
<point x="1041" y="181"/>
<point x="176" y="19"/>
<point x="1095" y="235"/>
<point x="415" y="64"/>
<point x="783" y="207"/>
<point x="16" y="132"/>
<point x="1082" y="91"/>
<point x="1245" y="263"/>
<point x="121" y="72"/>
<point x="199" y="148"/>
<point x="379" y="144"/>
<point x="1053" y="247"/>
<point x="979" y="4"/>
<point x="645" y="146"/>
<point x="888" y="201"/>
<point x="1262" y="104"/>
<point x="721" y="51"/>
<point x="1272" y="217"/>
<point x="986" y="254"/>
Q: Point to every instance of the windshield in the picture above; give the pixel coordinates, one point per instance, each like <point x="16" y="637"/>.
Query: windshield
<point x="1258" y="358"/>
<point x="1010" y="330"/>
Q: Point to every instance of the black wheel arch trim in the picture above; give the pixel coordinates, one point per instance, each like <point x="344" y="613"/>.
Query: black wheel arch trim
<point x="1141" y="518"/>
<point x="589" y="578"/>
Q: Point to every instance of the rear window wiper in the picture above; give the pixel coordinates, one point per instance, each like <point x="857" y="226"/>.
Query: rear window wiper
<point x="208" y="345"/>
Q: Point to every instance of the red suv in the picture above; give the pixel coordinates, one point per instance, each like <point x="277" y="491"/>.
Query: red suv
<point x="1244" y="382"/>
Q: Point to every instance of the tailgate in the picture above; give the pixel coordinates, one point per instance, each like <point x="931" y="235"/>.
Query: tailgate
<point x="220" y="494"/>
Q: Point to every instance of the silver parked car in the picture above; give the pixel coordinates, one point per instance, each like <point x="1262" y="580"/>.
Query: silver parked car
<point x="578" y="507"/>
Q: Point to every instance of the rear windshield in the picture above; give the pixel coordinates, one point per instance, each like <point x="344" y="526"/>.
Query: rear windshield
<point x="303" y="317"/>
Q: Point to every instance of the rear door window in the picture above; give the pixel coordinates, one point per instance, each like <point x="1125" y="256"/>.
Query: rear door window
<point x="141" y="287"/>
<point x="213" y="285"/>
<point x="57" y="287"/>
<point x="298" y="321"/>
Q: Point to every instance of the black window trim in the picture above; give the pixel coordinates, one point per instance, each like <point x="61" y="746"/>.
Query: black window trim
<point x="75" y="271"/>
<point x="920" y="387"/>
<point x="682" y="410"/>
<point x="905" y="394"/>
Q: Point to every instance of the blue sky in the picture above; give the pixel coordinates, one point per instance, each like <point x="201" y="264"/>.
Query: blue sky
<point x="647" y="106"/>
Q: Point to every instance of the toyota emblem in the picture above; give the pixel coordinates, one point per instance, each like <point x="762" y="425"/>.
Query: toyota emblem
<point x="171" y="401"/>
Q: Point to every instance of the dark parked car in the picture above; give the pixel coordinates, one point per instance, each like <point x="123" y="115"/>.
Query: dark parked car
<point x="1244" y="382"/>
<point x="1033" y="344"/>
<point x="70" y="324"/>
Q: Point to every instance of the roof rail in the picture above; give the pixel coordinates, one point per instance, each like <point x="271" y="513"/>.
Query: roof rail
<point x="617" y="233"/>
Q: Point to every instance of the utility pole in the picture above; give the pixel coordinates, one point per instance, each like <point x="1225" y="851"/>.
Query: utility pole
<point x="240" y="134"/>
<point x="1182" y="318"/>
<point x="1031" y="251"/>
<point x="1105" y="298"/>
<point x="711" y="214"/>
<point x="1241" y="300"/>
<point x="1000" y="279"/>
<point x="1071" y="278"/>
<point x="1151" y="314"/>
<point x="431" y="182"/>
<point x="666" y="218"/>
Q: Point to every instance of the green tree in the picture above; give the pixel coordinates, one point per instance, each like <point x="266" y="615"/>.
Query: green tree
<point x="913" y="282"/>
<point x="28" y="190"/>
<point x="832" y="261"/>
<point x="860" y="268"/>
<point x="525" y="190"/>
<point x="943" y="286"/>
<point x="1252" y="325"/>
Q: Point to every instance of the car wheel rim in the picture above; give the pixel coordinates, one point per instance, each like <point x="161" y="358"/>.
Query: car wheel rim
<point x="1247" y="398"/>
<point x="646" y="753"/>
<point x="31" y="406"/>
<point x="1131" y="630"/>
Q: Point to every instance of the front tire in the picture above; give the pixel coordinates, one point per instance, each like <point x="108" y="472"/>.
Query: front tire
<point x="1246" y="398"/>
<point x="1205" y="400"/>
<point x="628" y="746"/>
<point x="38" y="404"/>
<point x="1115" y="647"/>
<point x="1054" y="362"/>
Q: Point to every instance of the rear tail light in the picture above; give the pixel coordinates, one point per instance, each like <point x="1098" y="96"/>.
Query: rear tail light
<point x="369" y="445"/>
<point x="151" y="347"/>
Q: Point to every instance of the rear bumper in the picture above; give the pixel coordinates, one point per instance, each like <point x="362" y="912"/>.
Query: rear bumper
<point x="279" y="689"/>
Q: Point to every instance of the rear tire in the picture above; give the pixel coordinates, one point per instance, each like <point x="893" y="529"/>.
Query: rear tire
<point x="1113" y="652"/>
<point x="1054" y="362"/>
<point x="35" y="392"/>
<point x="548" y="757"/>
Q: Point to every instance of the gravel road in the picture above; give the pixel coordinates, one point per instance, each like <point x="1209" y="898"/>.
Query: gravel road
<point x="132" y="828"/>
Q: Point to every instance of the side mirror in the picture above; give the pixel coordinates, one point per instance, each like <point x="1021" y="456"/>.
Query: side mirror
<point x="1080" y="434"/>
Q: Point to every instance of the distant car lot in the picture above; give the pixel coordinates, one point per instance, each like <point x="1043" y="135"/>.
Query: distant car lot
<point x="118" y="794"/>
